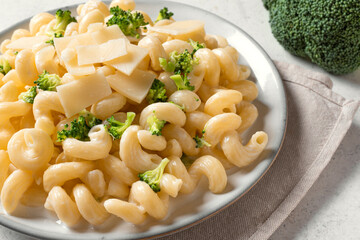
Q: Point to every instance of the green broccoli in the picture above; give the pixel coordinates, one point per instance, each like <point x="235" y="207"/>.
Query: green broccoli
<point x="129" y="22"/>
<point x="63" y="18"/>
<point x="157" y="92"/>
<point x="327" y="32"/>
<point x="200" y="141"/>
<point x="29" y="95"/>
<point x="164" y="14"/>
<point x="155" y="124"/>
<point x="4" y="66"/>
<point x="79" y="128"/>
<point x="153" y="177"/>
<point x="117" y="128"/>
<point x="181" y="64"/>
<point x="196" y="46"/>
<point x="48" y="82"/>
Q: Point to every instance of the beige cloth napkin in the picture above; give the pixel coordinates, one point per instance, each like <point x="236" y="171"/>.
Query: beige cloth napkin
<point x="318" y="119"/>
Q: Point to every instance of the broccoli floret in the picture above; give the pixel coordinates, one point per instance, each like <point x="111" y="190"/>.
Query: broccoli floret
<point x="48" y="82"/>
<point x="155" y="124"/>
<point x="63" y="18"/>
<point x="164" y="14"/>
<point x="129" y="22"/>
<point x="4" y="66"/>
<point x="157" y="92"/>
<point x="117" y="128"/>
<point x="29" y="95"/>
<point x="182" y="83"/>
<point x="181" y="64"/>
<point x="327" y="32"/>
<point x="200" y="141"/>
<point x="196" y="46"/>
<point x="153" y="177"/>
<point x="79" y="128"/>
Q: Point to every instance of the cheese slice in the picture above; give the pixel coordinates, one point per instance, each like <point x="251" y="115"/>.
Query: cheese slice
<point x="183" y="30"/>
<point x="127" y="63"/>
<point x="27" y="42"/>
<point x="135" y="87"/>
<point x="107" y="33"/>
<point x="70" y="60"/>
<point x="110" y="50"/>
<point x="72" y="41"/>
<point x="83" y="92"/>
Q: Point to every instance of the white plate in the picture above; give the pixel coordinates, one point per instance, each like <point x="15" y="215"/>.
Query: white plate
<point x="185" y="210"/>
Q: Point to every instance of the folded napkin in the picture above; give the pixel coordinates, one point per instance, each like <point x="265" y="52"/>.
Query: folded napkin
<point x="318" y="120"/>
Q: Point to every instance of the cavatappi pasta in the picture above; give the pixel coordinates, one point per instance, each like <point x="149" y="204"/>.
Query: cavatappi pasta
<point x="89" y="111"/>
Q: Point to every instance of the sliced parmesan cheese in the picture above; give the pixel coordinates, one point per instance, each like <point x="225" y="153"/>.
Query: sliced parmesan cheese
<point x="72" y="41"/>
<point x="27" y="42"/>
<point x="70" y="60"/>
<point x="101" y="53"/>
<point x="135" y="87"/>
<point x="83" y="92"/>
<point x="107" y="33"/>
<point x="183" y="30"/>
<point x="127" y="63"/>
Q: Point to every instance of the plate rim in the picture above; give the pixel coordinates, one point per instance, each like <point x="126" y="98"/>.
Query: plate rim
<point x="26" y="230"/>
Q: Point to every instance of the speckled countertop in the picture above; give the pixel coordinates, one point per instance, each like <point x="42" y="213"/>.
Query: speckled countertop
<point x="331" y="209"/>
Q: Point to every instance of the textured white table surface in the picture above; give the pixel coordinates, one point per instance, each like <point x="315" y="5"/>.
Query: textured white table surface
<point x="331" y="209"/>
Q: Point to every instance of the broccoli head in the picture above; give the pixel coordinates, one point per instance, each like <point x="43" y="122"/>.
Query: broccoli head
<point x="181" y="64"/>
<point x="47" y="81"/>
<point x="4" y="66"/>
<point x="327" y="32"/>
<point x="157" y="92"/>
<point x="196" y="46"/>
<point x="29" y="95"/>
<point x="155" y="124"/>
<point x="117" y="128"/>
<point x="63" y="18"/>
<point x="129" y="22"/>
<point x="164" y="14"/>
<point x="153" y="177"/>
<point x="79" y="128"/>
<point x="200" y="142"/>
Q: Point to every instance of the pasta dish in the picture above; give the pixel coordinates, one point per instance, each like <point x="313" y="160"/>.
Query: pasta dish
<point x="112" y="113"/>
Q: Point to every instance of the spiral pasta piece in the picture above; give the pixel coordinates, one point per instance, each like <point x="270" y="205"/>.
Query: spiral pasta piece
<point x="189" y="100"/>
<point x="93" y="5"/>
<point x="64" y="207"/>
<point x="58" y="174"/>
<point x="123" y="4"/>
<point x="95" y="182"/>
<point x="10" y="110"/>
<point x="205" y="165"/>
<point x="229" y="69"/>
<point x="161" y="110"/>
<point x="38" y="21"/>
<point x="151" y="142"/>
<point x="247" y="88"/>
<point x="13" y="189"/>
<point x="156" y="50"/>
<point x="25" y="67"/>
<point x="108" y="106"/>
<point x="118" y="170"/>
<point x="30" y="149"/>
<point x="94" y="16"/>
<point x="240" y="155"/>
<point x="9" y="92"/>
<point x="195" y="122"/>
<point x="222" y="101"/>
<point x="45" y="102"/>
<point x="186" y="141"/>
<point x="44" y="60"/>
<point x="97" y="148"/>
<point x="133" y="155"/>
<point x="211" y="65"/>
<point x="217" y="126"/>
<point x="248" y="113"/>
<point x="173" y="148"/>
<point x="89" y="208"/>
<point x="142" y="200"/>
<point x="176" y="45"/>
